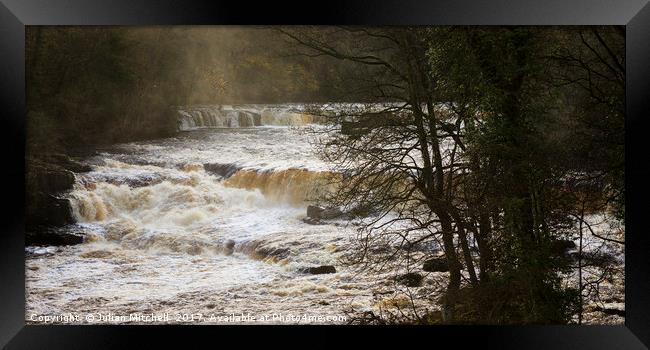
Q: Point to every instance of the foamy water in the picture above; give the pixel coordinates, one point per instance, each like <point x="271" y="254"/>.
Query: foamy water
<point x="208" y="222"/>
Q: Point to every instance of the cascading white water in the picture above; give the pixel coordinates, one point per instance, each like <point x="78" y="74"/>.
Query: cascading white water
<point x="215" y="117"/>
<point x="209" y="222"/>
<point x="221" y="116"/>
<point x="211" y="217"/>
<point x="190" y="203"/>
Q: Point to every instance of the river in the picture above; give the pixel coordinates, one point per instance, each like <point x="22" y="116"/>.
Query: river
<point x="209" y="223"/>
<point x="208" y="227"/>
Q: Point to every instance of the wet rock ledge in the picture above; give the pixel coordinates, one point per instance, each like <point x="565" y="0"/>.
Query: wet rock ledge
<point x="47" y="179"/>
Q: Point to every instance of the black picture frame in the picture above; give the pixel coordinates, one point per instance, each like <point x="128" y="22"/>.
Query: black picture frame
<point x="633" y="14"/>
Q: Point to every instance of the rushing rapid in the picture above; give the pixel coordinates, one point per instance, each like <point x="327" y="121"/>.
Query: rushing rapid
<point x="193" y="117"/>
<point x="208" y="222"/>
<point x="210" y="225"/>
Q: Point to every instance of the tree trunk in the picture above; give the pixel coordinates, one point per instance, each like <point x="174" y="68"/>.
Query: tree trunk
<point x="453" y="287"/>
<point x="467" y="254"/>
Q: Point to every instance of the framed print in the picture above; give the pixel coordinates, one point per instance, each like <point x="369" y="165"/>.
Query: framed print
<point x="465" y="171"/>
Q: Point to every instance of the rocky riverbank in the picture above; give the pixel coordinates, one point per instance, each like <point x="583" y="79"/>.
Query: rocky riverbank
<point x="48" y="178"/>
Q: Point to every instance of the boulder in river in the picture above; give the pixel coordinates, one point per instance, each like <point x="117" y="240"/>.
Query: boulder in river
<point x="313" y="211"/>
<point x="318" y="270"/>
<point x="316" y="212"/>
<point x="229" y="246"/>
<point x="438" y="264"/>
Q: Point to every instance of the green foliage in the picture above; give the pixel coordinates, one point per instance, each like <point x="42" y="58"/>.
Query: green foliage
<point x="522" y="151"/>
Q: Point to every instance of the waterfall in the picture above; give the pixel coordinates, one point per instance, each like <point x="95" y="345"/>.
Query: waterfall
<point x="190" y="194"/>
<point x="222" y="116"/>
<point x="292" y="186"/>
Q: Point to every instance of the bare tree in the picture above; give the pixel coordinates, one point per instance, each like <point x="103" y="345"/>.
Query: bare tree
<point x="452" y="150"/>
<point x="400" y="153"/>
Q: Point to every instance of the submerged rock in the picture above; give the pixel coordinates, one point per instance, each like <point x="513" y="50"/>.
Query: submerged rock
<point x="318" y="270"/>
<point x="411" y="279"/>
<point x="96" y="254"/>
<point x="260" y="251"/>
